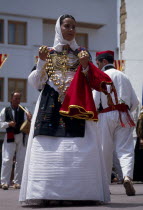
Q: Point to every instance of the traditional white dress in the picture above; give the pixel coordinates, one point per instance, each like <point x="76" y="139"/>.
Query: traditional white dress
<point x="63" y="168"/>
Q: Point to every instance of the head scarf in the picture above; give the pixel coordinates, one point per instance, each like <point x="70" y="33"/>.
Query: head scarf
<point x="59" y="41"/>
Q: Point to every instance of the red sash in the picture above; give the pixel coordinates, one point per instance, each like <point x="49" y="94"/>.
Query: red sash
<point x="120" y="108"/>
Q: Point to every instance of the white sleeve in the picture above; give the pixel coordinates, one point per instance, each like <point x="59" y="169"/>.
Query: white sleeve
<point x="3" y="123"/>
<point x="134" y="102"/>
<point x="126" y="91"/>
<point x="38" y="77"/>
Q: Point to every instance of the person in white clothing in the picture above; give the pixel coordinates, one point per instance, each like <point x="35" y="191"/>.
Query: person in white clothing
<point x="115" y="122"/>
<point x="14" y="145"/>
<point x="116" y="162"/>
<point x="64" y="159"/>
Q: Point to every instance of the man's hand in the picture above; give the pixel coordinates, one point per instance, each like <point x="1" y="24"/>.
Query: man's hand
<point x="29" y="116"/>
<point x="43" y="52"/>
<point x="12" y="124"/>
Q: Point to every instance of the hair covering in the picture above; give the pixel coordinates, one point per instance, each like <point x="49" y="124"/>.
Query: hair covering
<point x="59" y="41"/>
<point x="103" y="52"/>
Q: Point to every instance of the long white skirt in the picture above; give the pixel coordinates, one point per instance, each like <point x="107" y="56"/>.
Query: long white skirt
<point x="65" y="168"/>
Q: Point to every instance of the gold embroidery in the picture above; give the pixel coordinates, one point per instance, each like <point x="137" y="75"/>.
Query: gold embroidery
<point x="83" y="114"/>
<point x="63" y="62"/>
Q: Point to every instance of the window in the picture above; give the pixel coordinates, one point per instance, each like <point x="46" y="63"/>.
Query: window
<point x="17" y="32"/>
<point x="1" y="31"/>
<point x="1" y="89"/>
<point x="82" y="39"/>
<point x="19" y="85"/>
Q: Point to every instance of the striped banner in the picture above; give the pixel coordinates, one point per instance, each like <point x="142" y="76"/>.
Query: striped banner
<point x="119" y="64"/>
<point x="36" y="58"/>
<point x="3" y="58"/>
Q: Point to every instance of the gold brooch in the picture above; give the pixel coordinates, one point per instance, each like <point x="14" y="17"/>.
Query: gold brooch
<point x="82" y="54"/>
<point x="43" y="49"/>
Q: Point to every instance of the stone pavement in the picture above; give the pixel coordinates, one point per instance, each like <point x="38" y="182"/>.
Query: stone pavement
<point x="119" y="200"/>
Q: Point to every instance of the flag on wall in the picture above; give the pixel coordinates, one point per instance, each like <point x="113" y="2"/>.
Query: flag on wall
<point x="119" y="64"/>
<point x="3" y="58"/>
<point x="36" y="58"/>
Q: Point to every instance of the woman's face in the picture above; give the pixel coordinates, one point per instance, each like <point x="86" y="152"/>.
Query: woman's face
<point x="68" y="29"/>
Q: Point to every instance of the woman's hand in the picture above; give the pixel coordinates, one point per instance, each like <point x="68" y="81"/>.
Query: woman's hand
<point x="83" y="59"/>
<point x="43" y="52"/>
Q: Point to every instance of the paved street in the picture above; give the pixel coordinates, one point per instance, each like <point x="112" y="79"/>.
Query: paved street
<point x="9" y="201"/>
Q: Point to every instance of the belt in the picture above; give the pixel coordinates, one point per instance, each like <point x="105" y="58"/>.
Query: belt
<point x="120" y="108"/>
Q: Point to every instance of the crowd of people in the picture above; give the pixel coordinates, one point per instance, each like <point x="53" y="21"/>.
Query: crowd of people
<point x="82" y="119"/>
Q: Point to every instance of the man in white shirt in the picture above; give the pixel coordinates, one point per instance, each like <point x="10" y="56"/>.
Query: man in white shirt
<point x="115" y="121"/>
<point x="14" y="145"/>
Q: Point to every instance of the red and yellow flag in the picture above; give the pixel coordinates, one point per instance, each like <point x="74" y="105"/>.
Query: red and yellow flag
<point x="119" y="65"/>
<point x="36" y="59"/>
<point x="3" y="58"/>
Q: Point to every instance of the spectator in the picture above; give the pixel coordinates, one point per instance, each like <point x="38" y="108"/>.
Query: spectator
<point x="11" y="119"/>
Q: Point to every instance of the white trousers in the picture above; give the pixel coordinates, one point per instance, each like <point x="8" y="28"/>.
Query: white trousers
<point x="117" y="166"/>
<point x="118" y="138"/>
<point x="8" y="152"/>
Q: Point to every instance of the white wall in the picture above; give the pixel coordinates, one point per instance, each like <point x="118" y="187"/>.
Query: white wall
<point x="21" y="58"/>
<point x="83" y="10"/>
<point x="133" y="53"/>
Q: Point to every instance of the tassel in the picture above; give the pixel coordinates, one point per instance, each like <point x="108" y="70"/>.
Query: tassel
<point x="109" y="100"/>
<point x="113" y="89"/>
<point x="122" y="124"/>
<point x="129" y="119"/>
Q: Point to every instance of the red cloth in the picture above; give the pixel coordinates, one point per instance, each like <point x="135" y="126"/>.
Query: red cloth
<point x="78" y="102"/>
<point x="121" y="108"/>
<point x="3" y="58"/>
<point x="98" y="79"/>
<point x="10" y="137"/>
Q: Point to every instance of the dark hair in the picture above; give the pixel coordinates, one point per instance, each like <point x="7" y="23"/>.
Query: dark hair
<point x="12" y="93"/>
<point x="66" y="16"/>
<point x="106" y="56"/>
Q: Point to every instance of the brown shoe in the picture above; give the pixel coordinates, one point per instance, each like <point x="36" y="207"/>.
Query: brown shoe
<point x="130" y="191"/>
<point x="5" y="186"/>
<point x="16" y="186"/>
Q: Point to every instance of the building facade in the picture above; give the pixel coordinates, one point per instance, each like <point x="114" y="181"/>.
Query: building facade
<point x="26" y="25"/>
<point x="131" y="42"/>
